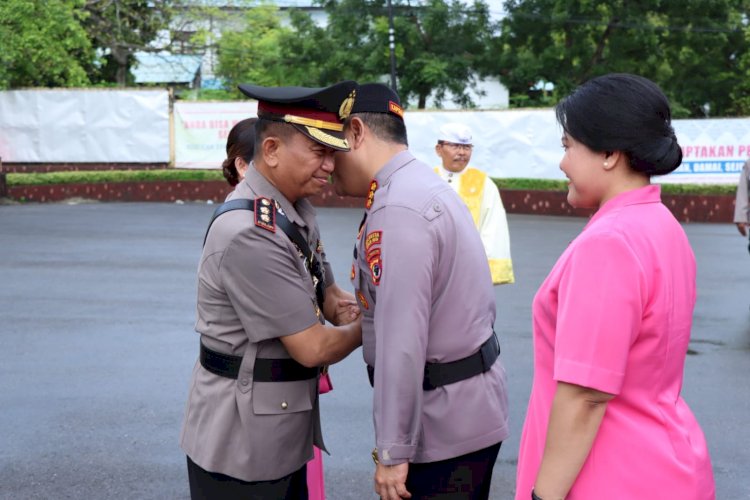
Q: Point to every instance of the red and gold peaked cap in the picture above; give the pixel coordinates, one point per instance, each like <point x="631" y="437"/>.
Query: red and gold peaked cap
<point x="316" y="112"/>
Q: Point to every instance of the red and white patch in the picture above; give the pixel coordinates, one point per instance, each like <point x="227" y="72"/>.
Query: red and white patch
<point x="373" y="238"/>
<point x="376" y="269"/>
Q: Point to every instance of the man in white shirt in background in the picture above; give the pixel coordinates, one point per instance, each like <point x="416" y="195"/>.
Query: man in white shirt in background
<point x="479" y="192"/>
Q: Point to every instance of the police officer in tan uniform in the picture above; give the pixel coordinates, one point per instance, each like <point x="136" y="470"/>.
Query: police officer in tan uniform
<point x="420" y="274"/>
<point x="265" y="290"/>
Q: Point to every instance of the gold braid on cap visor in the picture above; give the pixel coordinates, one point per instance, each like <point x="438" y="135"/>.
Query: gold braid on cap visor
<point x="327" y="138"/>
<point x="311" y="122"/>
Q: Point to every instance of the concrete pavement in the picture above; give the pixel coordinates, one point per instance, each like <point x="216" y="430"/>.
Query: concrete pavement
<point x="97" y="304"/>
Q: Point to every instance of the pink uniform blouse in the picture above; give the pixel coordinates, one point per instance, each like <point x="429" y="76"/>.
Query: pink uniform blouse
<point x="615" y="315"/>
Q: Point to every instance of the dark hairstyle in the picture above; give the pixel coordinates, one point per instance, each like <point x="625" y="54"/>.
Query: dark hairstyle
<point x="240" y="143"/>
<point x="627" y="113"/>
<point x="266" y="128"/>
<point x="387" y="127"/>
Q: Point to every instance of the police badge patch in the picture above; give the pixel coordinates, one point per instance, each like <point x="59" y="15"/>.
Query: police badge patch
<point x="376" y="269"/>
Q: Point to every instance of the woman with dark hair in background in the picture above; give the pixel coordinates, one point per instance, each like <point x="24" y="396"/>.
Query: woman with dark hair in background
<point x="240" y="150"/>
<point x="612" y="320"/>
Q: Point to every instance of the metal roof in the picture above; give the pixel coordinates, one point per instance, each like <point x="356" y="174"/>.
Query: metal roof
<point x="153" y="67"/>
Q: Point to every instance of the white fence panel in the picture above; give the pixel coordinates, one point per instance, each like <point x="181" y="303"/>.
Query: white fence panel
<point x="84" y="126"/>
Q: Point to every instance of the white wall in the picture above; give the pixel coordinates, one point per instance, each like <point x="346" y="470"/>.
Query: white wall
<point x="63" y="125"/>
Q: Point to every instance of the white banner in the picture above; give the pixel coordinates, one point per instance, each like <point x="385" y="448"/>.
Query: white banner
<point x="508" y="143"/>
<point x="511" y="143"/>
<point x="84" y="126"/>
<point x="201" y="130"/>
<point x="713" y="151"/>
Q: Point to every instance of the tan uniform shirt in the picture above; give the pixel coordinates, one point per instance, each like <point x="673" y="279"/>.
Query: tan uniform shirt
<point x="741" y="205"/>
<point x="253" y="287"/>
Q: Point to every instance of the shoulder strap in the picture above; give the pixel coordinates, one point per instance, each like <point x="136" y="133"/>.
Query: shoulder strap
<point x="289" y="229"/>
<point x="238" y="204"/>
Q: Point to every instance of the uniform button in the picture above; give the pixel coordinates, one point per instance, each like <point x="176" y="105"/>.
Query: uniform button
<point x="284" y="405"/>
<point x="244" y="381"/>
<point x="436" y="207"/>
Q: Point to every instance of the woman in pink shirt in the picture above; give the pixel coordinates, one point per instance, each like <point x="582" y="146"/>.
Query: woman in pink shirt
<point x="612" y="320"/>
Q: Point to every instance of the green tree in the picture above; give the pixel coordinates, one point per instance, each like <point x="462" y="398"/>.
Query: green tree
<point x="119" y="28"/>
<point x="43" y="44"/>
<point x="689" y="47"/>
<point x="252" y="54"/>
<point x="441" y="45"/>
<point x="740" y="94"/>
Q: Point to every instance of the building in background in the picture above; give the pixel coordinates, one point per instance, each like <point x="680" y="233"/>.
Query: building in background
<point x="223" y="15"/>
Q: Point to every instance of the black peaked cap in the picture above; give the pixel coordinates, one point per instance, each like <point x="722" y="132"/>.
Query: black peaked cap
<point x="377" y="98"/>
<point x="316" y="112"/>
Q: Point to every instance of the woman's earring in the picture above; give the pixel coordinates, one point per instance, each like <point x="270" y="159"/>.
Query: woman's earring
<point x="606" y="164"/>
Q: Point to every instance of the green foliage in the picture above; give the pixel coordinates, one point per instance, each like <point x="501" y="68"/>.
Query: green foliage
<point x="184" y="175"/>
<point x="740" y="94"/>
<point x="690" y="48"/>
<point x="120" y="28"/>
<point x="105" y="176"/>
<point x="43" y="44"/>
<point x="252" y="54"/>
<point x="441" y="47"/>
<point x="562" y="185"/>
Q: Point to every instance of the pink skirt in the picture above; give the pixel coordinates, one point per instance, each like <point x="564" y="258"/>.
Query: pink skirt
<point x="315" y="483"/>
<point x="316" y="487"/>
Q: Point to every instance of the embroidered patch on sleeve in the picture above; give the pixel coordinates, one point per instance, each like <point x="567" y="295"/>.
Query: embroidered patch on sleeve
<point x="376" y="270"/>
<point x="373" y="238"/>
<point x="373" y="254"/>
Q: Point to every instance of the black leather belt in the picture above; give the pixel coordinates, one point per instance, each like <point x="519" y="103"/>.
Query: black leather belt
<point x="440" y="374"/>
<point x="265" y="369"/>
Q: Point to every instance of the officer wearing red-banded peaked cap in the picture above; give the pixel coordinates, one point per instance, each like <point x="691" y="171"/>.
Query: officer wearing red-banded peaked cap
<point x="316" y="112"/>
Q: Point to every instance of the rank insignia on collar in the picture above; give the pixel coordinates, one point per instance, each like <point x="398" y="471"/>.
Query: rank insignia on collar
<point x="362" y="300"/>
<point x="371" y="194"/>
<point x="376" y="270"/>
<point x="278" y="207"/>
<point x="265" y="216"/>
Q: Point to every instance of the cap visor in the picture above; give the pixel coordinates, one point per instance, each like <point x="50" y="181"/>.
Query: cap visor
<point x="330" y="138"/>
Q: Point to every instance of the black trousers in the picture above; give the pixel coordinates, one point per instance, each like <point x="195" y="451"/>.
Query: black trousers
<point x="467" y="477"/>
<point x="206" y="485"/>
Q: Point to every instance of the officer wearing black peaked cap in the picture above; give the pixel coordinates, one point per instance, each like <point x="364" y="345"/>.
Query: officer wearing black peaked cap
<point x="265" y="290"/>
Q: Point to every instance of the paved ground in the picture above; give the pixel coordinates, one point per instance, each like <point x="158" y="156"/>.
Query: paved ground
<point x="96" y="324"/>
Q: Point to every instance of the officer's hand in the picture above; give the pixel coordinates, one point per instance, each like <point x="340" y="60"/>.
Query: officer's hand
<point x="741" y="228"/>
<point x="390" y="481"/>
<point x="346" y="311"/>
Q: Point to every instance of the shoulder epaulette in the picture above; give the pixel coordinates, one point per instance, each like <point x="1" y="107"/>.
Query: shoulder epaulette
<point x="265" y="215"/>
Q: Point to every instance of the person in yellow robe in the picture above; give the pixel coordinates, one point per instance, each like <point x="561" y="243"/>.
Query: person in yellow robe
<point x="479" y="192"/>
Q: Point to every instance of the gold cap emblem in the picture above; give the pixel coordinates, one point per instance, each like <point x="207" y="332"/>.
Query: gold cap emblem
<point x="346" y="106"/>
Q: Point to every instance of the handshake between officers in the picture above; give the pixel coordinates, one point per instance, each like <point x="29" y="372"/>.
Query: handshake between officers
<point x="265" y="290"/>
<point x="424" y="311"/>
